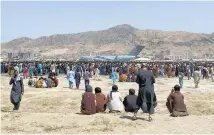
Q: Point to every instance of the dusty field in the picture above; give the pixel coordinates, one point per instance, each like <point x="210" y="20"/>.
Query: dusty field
<point x="56" y="110"/>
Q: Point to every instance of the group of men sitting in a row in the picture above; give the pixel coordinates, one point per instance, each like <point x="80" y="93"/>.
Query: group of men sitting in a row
<point x="94" y="103"/>
<point x="42" y="82"/>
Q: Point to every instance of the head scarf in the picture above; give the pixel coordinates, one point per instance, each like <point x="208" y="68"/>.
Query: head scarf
<point x="89" y="88"/>
<point x="18" y="77"/>
<point x="114" y="89"/>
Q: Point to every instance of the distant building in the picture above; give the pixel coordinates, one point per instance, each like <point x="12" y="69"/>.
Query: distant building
<point x="3" y="56"/>
<point x="178" y="55"/>
<point x="173" y="55"/>
<point x="20" y="56"/>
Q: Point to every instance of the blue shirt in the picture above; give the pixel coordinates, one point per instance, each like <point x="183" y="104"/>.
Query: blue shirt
<point x="71" y="76"/>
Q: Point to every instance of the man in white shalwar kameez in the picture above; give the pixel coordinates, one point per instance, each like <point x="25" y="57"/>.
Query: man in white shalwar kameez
<point x="97" y="72"/>
<point x="196" y="76"/>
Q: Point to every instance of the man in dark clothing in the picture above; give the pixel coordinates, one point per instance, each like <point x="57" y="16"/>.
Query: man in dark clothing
<point x="86" y="77"/>
<point x="145" y="99"/>
<point x="175" y="103"/>
<point x="17" y="90"/>
<point x="77" y="78"/>
<point x="177" y="70"/>
<point x="130" y="101"/>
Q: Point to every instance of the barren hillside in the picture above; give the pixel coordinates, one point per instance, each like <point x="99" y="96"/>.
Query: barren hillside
<point x="116" y="40"/>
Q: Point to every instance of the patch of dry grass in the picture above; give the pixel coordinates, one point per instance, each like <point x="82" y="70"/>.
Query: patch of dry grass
<point x="200" y="108"/>
<point x="13" y="129"/>
<point x="3" y="117"/>
<point x="49" y="105"/>
<point x="198" y="96"/>
<point x="6" y="108"/>
<point x="54" y="111"/>
<point x="98" y="79"/>
<point x="55" y="128"/>
<point x="101" y="124"/>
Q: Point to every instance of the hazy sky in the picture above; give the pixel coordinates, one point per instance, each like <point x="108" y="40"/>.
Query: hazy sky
<point x="35" y="19"/>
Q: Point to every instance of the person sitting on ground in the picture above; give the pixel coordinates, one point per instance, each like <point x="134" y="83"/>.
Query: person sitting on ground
<point x="51" y="75"/>
<point x="52" y="80"/>
<point x="100" y="100"/>
<point x="49" y="82"/>
<point x="175" y="103"/>
<point x="129" y="76"/>
<point x="39" y="83"/>
<point x="44" y="84"/>
<point x="88" y="103"/>
<point x="130" y="101"/>
<point x="55" y="81"/>
<point x="114" y="101"/>
<point x="123" y="78"/>
<point x="32" y="81"/>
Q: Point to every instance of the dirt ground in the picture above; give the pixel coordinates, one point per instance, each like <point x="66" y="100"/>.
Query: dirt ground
<point x="57" y="110"/>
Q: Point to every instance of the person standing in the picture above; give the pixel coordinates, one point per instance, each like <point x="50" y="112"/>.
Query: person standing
<point x="16" y="68"/>
<point x="177" y="70"/>
<point x="77" y="78"/>
<point x="145" y="99"/>
<point x="67" y="69"/>
<point x="20" y="66"/>
<point x="25" y="73"/>
<point x="9" y="69"/>
<point x="212" y="73"/>
<point x="188" y="72"/>
<point x="30" y="70"/>
<point x="205" y="73"/>
<point x="70" y="77"/>
<point x="53" y="68"/>
<point x="196" y="76"/>
<point x="39" y="69"/>
<point x="17" y="90"/>
<point x="162" y="71"/>
<point x="96" y="73"/>
<point x="57" y="69"/>
<point x="86" y="77"/>
<point x="181" y="78"/>
<point x="2" y="68"/>
<point x="114" y="77"/>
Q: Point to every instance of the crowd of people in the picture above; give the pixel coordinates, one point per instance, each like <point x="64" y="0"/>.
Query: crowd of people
<point x="143" y="74"/>
<point x="124" y="72"/>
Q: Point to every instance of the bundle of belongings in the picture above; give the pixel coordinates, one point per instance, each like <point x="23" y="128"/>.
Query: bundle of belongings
<point x="123" y="78"/>
<point x="44" y="82"/>
<point x="127" y="78"/>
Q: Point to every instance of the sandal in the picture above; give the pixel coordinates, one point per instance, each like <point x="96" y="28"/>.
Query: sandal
<point x="134" y="118"/>
<point x="150" y="119"/>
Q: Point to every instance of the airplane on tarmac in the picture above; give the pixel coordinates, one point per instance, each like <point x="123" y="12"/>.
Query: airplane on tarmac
<point x="132" y="55"/>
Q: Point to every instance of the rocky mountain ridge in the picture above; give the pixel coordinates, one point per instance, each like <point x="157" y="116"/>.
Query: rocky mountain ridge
<point x="116" y="40"/>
